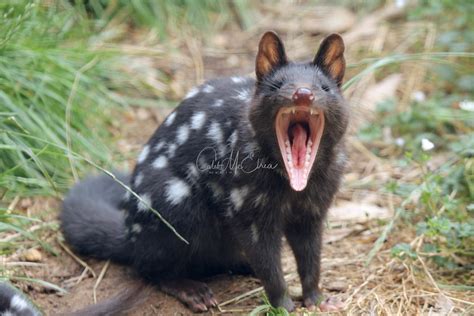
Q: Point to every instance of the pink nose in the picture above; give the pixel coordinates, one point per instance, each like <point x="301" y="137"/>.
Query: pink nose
<point x="303" y="96"/>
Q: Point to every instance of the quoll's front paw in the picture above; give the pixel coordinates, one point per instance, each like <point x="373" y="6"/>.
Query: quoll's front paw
<point x="311" y="300"/>
<point x="286" y="303"/>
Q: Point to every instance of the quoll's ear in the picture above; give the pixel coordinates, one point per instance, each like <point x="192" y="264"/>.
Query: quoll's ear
<point x="271" y="55"/>
<point x="330" y="57"/>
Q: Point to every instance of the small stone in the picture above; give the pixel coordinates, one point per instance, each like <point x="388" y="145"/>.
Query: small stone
<point x="295" y="291"/>
<point x="337" y="286"/>
<point x="32" y="255"/>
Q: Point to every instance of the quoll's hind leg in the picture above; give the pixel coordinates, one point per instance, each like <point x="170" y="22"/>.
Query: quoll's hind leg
<point x="195" y="295"/>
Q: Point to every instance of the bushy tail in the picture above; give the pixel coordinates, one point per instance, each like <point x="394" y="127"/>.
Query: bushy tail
<point x="91" y="219"/>
<point x="127" y="299"/>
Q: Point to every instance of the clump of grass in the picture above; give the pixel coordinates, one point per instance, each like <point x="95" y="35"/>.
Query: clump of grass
<point x="53" y="93"/>
<point x="170" y="17"/>
<point x="268" y="310"/>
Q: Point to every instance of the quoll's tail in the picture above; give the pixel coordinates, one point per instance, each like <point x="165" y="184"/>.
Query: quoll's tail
<point x="91" y="219"/>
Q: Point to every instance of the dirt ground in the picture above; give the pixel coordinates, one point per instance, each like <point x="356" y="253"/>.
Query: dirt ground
<point x="384" y="287"/>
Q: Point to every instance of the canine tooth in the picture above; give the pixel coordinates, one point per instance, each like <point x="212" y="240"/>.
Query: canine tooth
<point x="313" y="112"/>
<point x="292" y="110"/>
<point x="310" y="143"/>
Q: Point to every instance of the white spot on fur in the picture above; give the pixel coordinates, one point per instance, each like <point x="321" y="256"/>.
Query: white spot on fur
<point x="127" y="195"/>
<point x="159" y="146"/>
<point x="251" y="147"/>
<point x="8" y="313"/>
<point x="136" y="228"/>
<point x="172" y="150"/>
<point x="18" y="303"/>
<point x="138" y="179"/>
<point x="238" y="79"/>
<point x="176" y="191"/>
<point x="202" y="163"/>
<point x="237" y="196"/>
<point x="218" y="103"/>
<point x="243" y="95"/>
<point x="182" y="134"/>
<point x="170" y="119"/>
<point x="193" y="173"/>
<point x="160" y="162"/>
<point x="144" y="154"/>
<point x="193" y="92"/>
<point x="145" y="203"/>
<point x="233" y="139"/>
<point x="208" y="89"/>
<point x="217" y="191"/>
<point x="254" y="233"/>
<point x="197" y="120"/>
<point x="215" y="132"/>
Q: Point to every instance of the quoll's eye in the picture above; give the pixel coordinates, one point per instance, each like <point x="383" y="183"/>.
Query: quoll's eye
<point x="276" y="85"/>
<point x="325" y="87"/>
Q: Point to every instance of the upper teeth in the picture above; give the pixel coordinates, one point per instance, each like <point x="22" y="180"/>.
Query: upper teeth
<point x="293" y="110"/>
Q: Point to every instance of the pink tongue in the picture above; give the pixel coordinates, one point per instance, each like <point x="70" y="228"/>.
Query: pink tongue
<point x="298" y="149"/>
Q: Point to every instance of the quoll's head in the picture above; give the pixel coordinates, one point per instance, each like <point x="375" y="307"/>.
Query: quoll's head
<point x="298" y="110"/>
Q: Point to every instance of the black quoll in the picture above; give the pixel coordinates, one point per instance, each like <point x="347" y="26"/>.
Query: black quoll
<point x="239" y="164"/>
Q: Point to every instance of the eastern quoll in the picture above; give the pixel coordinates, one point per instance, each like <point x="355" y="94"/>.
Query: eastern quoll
<point x="239" y="164"/>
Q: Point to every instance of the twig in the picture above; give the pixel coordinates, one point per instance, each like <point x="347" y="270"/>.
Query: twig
<point x="196" y="56"/>
<point x="30" y="230"/>
<point x="101" y="276"/>
<point x="451" y="298"/>
<point x="357" y="290"/>
<point x="77" y="78"/>
<point x="13" y="204"/>
<point x="79" y="260"/>
<point x="430" y="276"/>
<point x="82" y="276"/>
<point x="24" y="264"/>
<point x="288" y="277"/>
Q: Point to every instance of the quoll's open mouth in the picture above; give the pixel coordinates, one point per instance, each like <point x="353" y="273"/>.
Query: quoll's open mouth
<point x="299" y="130"/>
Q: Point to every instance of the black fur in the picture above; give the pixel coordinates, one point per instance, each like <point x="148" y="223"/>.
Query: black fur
<point x="92" y="221"/>
<point x="233" y="218"/>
